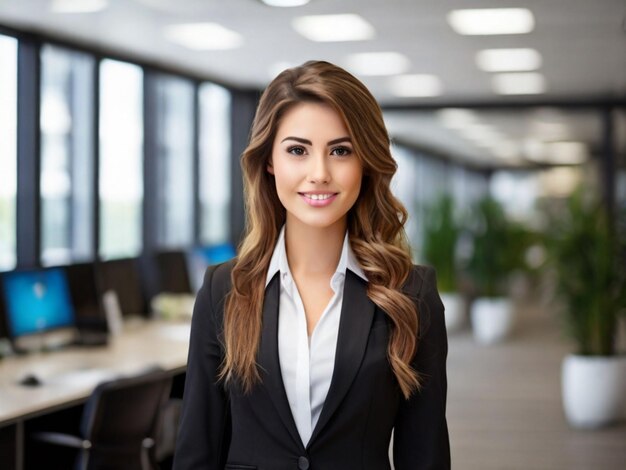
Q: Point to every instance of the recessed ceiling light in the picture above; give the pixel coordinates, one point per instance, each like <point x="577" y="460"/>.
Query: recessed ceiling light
<point x="285" y="3"/>
<point x="378" y="63"/>
<point x="566" y="153"/>
<point x="203" y="36"/>
<point x="550" y="131"/>
<point x="456" y="118"/>
<point x="78" y="6"/>
<point x="486" y="21"/>
<point x="482" y="134"/>
<point x="508" y="60"/>
<point x="418" y="85"/>
<point x="329" y="28"/>
<point x="518" y="83"/>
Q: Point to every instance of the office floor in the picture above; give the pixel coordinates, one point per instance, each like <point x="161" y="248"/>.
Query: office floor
<point x="504" y="404"/>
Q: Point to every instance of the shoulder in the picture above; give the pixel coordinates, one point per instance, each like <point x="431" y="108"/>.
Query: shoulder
<point x="421" y="280"/>
<point x="217" y="280"/>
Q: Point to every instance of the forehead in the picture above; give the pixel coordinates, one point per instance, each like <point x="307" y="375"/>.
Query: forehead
<point x="311" y="119"/>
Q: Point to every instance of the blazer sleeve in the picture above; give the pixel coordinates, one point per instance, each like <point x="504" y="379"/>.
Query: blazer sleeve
<point x="421" y="438"/>
<point x="204" y="430"/>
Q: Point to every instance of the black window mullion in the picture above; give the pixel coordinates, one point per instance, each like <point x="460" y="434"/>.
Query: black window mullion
<point x="95" y="147"/>
<point x="197" y="213"/>
<point x="28" y="154"/>
<point x="151" y="191"/>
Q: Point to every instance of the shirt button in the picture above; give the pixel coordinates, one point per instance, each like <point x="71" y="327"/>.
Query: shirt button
<point x="303" y="463"/>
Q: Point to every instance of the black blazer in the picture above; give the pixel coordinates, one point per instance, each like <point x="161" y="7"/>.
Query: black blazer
<point x="225" y="429"/>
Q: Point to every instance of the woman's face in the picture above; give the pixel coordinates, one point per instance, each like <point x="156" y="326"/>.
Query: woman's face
<point x="317" y="173"/>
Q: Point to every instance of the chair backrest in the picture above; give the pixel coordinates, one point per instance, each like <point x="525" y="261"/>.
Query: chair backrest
<point x="121" y="413"/>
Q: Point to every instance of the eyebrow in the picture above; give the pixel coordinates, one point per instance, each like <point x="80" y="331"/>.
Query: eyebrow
<point x="308" y="142"/>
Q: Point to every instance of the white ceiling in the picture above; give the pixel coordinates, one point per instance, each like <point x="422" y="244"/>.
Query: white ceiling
<point x="582" y="43"/>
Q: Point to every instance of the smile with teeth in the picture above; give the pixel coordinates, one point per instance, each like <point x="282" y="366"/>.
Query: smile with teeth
<point x="318" y="197"/>
<point x="318" y="200"/>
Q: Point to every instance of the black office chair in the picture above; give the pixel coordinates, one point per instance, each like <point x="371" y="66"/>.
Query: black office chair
<point x="119" y="424"/>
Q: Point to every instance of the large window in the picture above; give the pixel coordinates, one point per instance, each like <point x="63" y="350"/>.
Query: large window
<point x="215" y="159"/>
<point x="66" y="156"/>
<point x="121" y="159"/>
<point x="8" y="150"/>
<point x="174" y="161"/>
<point x="420" y="179"/>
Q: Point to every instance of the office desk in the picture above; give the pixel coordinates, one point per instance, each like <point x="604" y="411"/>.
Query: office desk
<point x="69" y="375"/>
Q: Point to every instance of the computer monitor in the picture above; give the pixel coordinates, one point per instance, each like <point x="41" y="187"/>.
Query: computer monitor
<point x="81" y="278"/>
<point x="38" y="301"/>
<point x="173" y="272"/>
<point x="123" y="276"/>
<point x="201" y="257"/>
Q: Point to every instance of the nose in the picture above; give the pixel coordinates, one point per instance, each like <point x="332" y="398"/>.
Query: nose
<point x="318" y="169"/>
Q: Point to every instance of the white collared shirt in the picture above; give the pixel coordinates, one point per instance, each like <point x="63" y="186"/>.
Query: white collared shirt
<point x="307" y="364"/>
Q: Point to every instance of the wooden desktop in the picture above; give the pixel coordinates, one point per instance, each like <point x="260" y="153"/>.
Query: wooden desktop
<point x="68" y="376"/>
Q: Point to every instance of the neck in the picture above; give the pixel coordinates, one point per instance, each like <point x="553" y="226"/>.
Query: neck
<point x="314" y="251"/>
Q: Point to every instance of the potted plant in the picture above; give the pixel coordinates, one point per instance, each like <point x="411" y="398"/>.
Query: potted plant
<point x="440" y="235"/>
<point x="587" y="251"/>
<point x="498" y="247"/>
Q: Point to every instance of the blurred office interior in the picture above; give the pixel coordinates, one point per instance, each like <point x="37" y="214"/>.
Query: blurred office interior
<point x="121" y="127"/>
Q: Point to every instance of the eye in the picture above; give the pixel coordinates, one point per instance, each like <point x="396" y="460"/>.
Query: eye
<point x="296" y="150"/>
<point x="341" y="151"/>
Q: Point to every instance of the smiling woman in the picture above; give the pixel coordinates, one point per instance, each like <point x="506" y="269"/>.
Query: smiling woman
<point x="321" y="336"/>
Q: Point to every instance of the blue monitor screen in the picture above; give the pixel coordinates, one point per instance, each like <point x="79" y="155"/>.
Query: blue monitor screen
<point x="37" y="301"/>
<point x="214" y="254"/>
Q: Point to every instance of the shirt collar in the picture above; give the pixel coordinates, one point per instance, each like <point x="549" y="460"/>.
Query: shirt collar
<point x="347" y="260"/>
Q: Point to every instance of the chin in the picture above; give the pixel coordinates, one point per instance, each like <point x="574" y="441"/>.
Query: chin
<point x="320" y="221"/>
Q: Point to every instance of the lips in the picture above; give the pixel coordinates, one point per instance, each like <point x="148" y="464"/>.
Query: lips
<point x="327" y="198"/>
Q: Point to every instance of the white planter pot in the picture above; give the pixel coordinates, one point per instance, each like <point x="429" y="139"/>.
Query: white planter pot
<point x="492" y="319"/>
<point x="454" y="315"/>
<point x="594" y="390"/>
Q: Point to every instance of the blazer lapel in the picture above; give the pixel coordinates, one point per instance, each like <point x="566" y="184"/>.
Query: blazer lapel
<point x="357" y="313"/>
<point x="269" y="362"/>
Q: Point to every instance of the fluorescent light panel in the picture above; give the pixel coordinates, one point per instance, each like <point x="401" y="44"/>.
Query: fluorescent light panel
<point x="378" y="63"/>
<point x="456" y="118"/>
<point x="418" y="85"/>
<point x="334" y="28"/>
<point x="488" y="21"/>
<point x="285" y="3"/>
<point x="78" y="6"/>
<point x="482" y="134"/>
<point x="566" y="153"/>
<point x="558" y="153"/>
<point x="508" y="60"/>
<point x="203" y="36"/>
<point x="527" y="83"/>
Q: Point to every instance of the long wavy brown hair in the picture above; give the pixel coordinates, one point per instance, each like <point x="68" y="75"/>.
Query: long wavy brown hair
<point x="375" y="222"/>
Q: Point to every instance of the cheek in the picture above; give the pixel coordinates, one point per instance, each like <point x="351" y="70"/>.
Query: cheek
<point x="353" y="178"/>
<point x="284" y="176"/>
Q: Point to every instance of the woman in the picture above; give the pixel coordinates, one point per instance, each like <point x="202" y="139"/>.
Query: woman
<point x="321" y="336"/>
